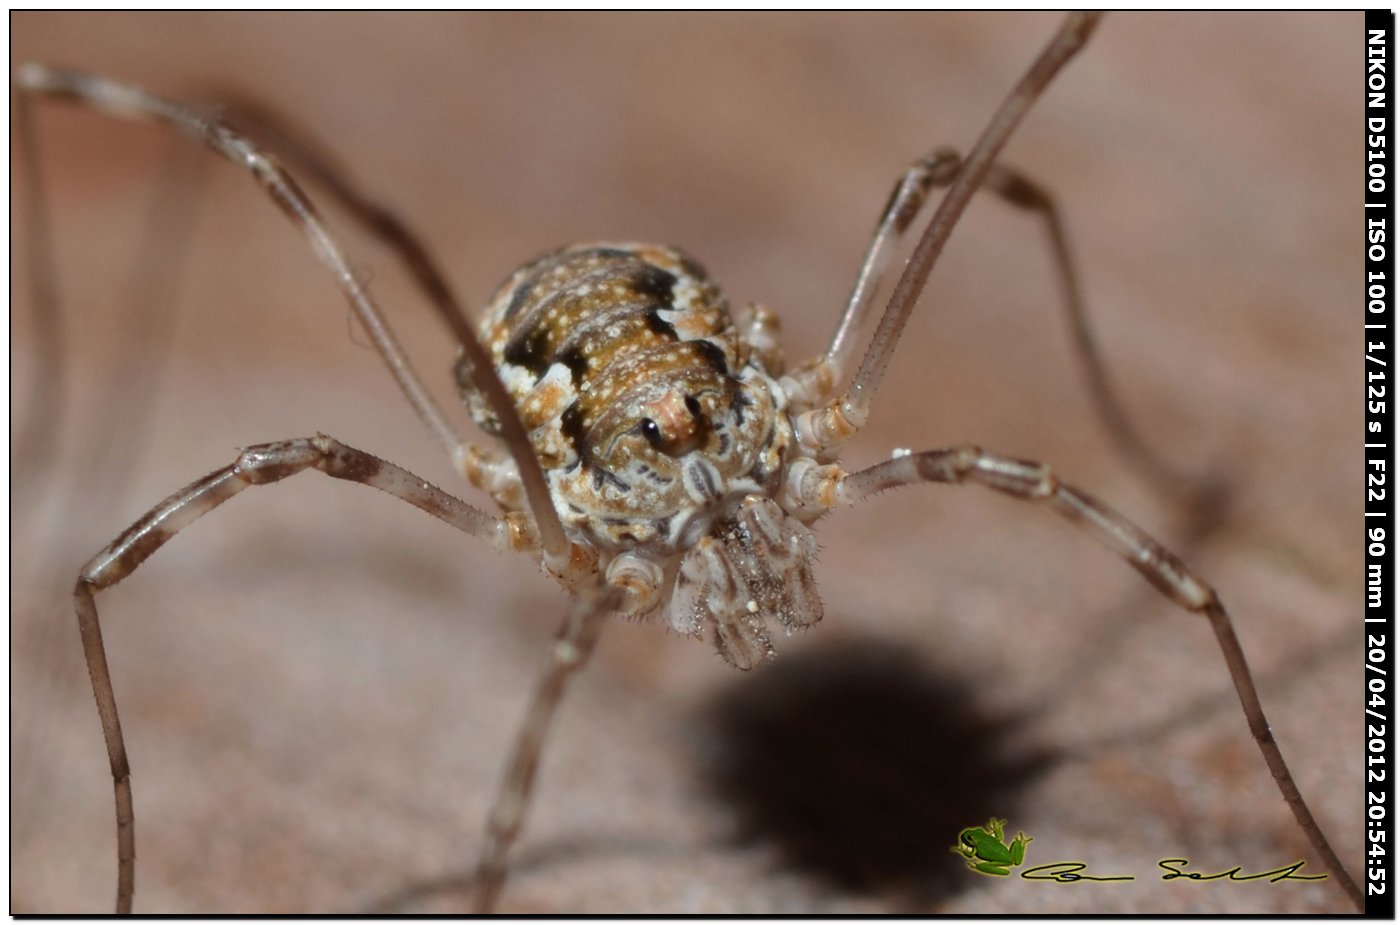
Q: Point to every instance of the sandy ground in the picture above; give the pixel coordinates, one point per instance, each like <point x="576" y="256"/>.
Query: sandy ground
<point x="319" y="684"/>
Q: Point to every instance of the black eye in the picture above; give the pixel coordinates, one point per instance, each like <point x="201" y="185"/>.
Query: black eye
<point x="651" y="432"/>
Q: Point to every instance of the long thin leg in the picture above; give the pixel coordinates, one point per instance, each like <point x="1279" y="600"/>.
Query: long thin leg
<point x="825" y="429"/>
<point x="129" y="102"/>
<point x="906" y="202"/>
<point x="936" y="171"/>
<point x="259" y="465"/>
<point x="572" y="647"/>
<point x="1021" y="191"/>
<point x="1032" y="481"/>
<point x="311" y="159"/>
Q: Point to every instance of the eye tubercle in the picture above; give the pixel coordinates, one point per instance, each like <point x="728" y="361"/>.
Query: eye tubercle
<point x="674" y="423"/>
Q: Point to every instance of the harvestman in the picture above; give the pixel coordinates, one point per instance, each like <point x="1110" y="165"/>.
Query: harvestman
<point x="657" y="457"/>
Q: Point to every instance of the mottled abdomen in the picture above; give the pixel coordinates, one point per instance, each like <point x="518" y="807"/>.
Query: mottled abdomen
<point x="662" y="437"/>
<point x="614" y="317"/>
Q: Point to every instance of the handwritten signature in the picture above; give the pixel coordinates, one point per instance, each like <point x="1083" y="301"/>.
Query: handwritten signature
<point x="1175" y="869"/>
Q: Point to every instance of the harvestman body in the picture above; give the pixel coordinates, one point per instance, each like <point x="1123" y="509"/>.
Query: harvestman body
<point x="659" y="457"/>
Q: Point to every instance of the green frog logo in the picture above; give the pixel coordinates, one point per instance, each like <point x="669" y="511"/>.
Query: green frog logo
<point x="986" y="849"/>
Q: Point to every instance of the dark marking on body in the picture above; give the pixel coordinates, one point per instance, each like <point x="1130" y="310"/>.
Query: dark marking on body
<point x="712" y="354"/>
<point x="652" y="283"/>
<point x="661" y="326"/>
<point x="647" y="472"/>
<point x="132" y="548"/>
<point x="700" y="479"/>
<point x="534" y="270"/>
<point x="602" y="476"/>
<point x="528" y="348"/>
<point x="768" y="439"/>
<point x="703" y="426"/>
<point x="353" y="465"/>
<point x="605" y="253"/>
<point x="739" y="403"/>
<point x="577" y="363"/>
<point x="759" y="472"/>
<point x="571" y="425"/>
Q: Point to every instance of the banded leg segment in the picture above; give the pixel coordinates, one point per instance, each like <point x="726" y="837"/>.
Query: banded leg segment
<point x="259" y="465"/>
<point x="482" y="465"/>
<point x="828" y="427"/>
<point x="816" y="381"/>
<point x="129" y="102"/>
<point x="1031" y="481"/>
<point x="572" y="647"/>
<point x="1015" y="188"/>
<point x="1021" y="191"/>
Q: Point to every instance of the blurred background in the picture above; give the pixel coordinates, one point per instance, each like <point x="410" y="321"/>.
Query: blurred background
<point x="318" y="684"/>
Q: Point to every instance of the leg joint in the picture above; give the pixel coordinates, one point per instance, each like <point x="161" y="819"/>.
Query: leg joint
<point x="272" y="462"/>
